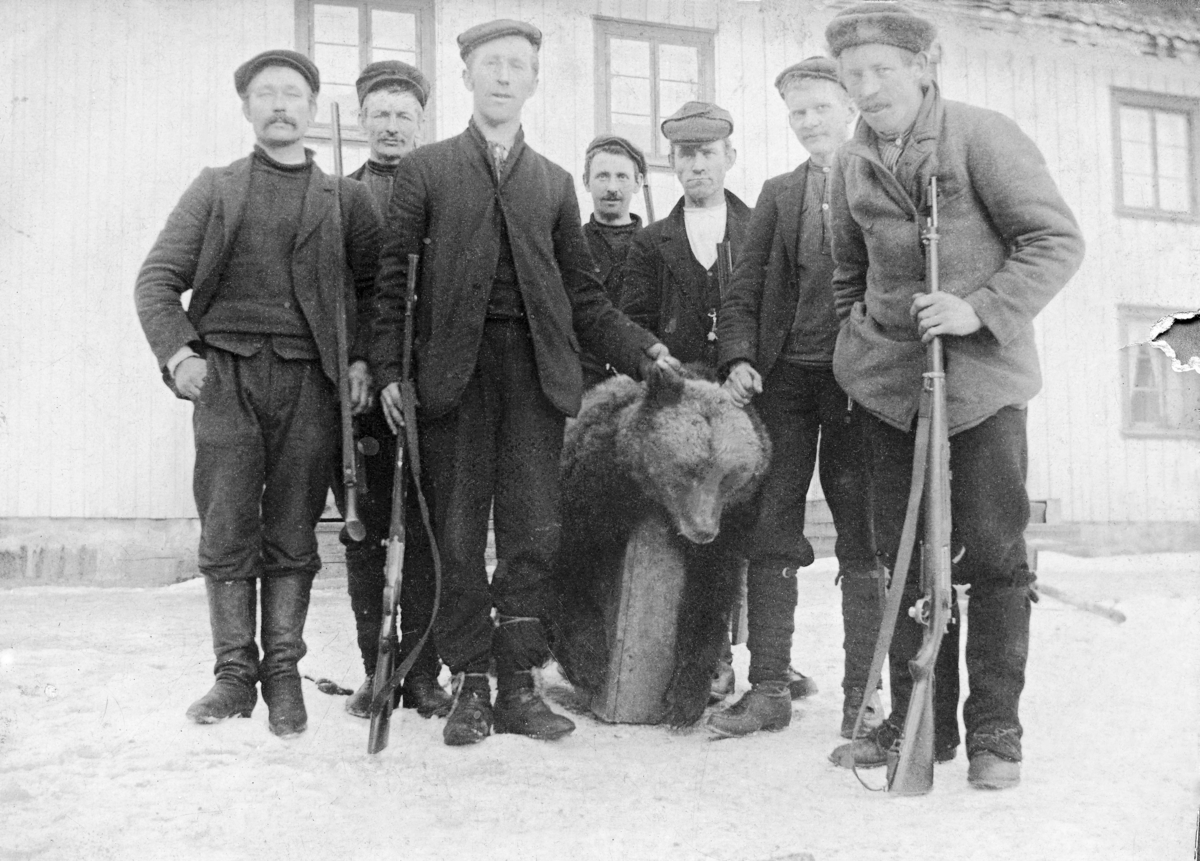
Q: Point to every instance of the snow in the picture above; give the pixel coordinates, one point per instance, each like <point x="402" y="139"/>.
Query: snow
<point x="97" y="760"/>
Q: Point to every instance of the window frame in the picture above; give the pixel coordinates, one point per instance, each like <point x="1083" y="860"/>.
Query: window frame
<point x="1156" y="102"/>
<point x="426" y="58"/>
<point x="1147" y="316"/>
<point x="604" y="28"/>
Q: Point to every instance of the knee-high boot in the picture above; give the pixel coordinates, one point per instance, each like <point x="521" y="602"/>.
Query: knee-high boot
<point x="231" y="605"/>
<point x="285" y="607"/>
<point x="364" y="582"/>
<point x="862" y="608"/>
<point x="997" y="650"/>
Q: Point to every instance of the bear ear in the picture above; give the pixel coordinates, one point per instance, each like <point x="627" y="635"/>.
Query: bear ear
<point x="664" y="387"/>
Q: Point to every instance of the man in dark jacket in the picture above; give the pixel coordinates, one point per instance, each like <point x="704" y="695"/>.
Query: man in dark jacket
<point x="613" y="172"/>
<point x="1008" y="245"/>
<point x="776" y="334"/>
<point x="262" y="248"/>
<point x="392" y="97"/>
<point x="506" y="300"/>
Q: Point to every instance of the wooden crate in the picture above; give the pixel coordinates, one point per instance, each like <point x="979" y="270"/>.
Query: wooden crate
<point x="640" y="617"/>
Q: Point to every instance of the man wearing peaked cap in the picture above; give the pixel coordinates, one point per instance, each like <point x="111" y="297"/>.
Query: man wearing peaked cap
<point x="671" y="284"/>
<point x="256" y="351"/>
<point x="506" y="294"/>
<point x="776" y="335"/>
<point x="1008" y="244"/>
<point x="613" y="172"/>
<point x="393" y="96"/>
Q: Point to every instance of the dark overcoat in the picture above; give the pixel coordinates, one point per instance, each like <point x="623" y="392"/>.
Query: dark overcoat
<point x="756" y="317"/>
<point x="1008" y="244"/>
<point x="330" y="254"/>
<point x="664" y="288"/>
<point x="449" y="206"/>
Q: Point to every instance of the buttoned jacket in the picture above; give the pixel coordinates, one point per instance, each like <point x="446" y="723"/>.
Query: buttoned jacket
<point x="1008" y="243"/>
<point x="448" y="205"/>
<point x="331" y="253"/>
<point x="665" y="288"/>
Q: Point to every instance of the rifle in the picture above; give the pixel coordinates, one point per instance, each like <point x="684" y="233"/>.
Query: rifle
<point x="913" y="771"/>
<point x="350" y="460"/>
<point x="649" y="200"/>
<point x="724" y="279"/>
<point x="388" y="679"/>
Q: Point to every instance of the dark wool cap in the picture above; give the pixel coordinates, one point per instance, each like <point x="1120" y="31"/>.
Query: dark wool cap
<point x="817" y="68"/>
<point x="611" y="142"/>
<point x="278" y="57"/>
<point x="698" y="122"/>
<point x="469" y="40"/>
<point x="386" y="72"/>
<point x="879" y="23"/>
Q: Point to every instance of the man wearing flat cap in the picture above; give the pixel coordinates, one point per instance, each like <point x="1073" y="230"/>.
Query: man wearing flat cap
<point x="264" y="245"/>
<point x="506" y="300"/>
<point x="776" y="334"/>
<point x="613" y="172"/>
<point x="392" y="97"/>
<point x="1008" y="244"/>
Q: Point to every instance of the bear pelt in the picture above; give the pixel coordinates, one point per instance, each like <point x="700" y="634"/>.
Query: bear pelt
<point x="675" y="448"/>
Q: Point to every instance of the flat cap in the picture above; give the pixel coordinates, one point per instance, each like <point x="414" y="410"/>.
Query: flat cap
<point x="880" y="23"/>
<point x="698" y="122"/>
<point x="816" y="68"/>
<point x="469" y="40"/>
<point x="610" y="143"/>
<point x="276" y="57"/>
<point x="385" y="72"/>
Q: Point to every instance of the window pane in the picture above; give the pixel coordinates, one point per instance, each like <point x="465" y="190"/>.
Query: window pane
<point x="629" y="58"/>
<point x="678" y="63"/>
<point x="630" y="96"/>
<point x="409" y="57"/>
<point x="635" y="129"/>
<point x="672" y="95"/>
<point x="395" y="30"/>
<point x="1173" y="195"/>
<point x="338" y="63"/>
<point x="347" y="99"/>
<point x="1171" y="129"/>
<point x="1135" y="125"/>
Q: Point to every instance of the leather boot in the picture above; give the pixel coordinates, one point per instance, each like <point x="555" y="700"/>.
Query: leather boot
<point x="766" y="706"/>
<point x="850" y="706"/>
<point x="990" y="771"/>
<point x="946" y="689"/>
<point x="862" y="610"/>
<point x="423" y="693"/>
<point x="770" y="611"/>
<point x="231" y="606"/>
<point x="470" y="719"/>
<point x="997" y="649"/>
<point x="359" y="704"/>
<point x="800" y="685"/>
<point x="285" y="607"/>
<point x="521" y="711"/>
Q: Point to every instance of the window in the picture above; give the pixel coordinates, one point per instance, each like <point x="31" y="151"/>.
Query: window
<point x="342" y="36"/>
<point x="644" y="73"/>
<point x="1155" y="142"/>
<point x="1158" y="401"/>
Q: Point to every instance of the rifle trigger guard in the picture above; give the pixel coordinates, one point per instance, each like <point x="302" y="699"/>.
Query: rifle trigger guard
<point x="919" y="611"/>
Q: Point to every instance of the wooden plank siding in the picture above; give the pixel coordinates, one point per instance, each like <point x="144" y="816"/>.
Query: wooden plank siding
<point x="105" y="119"/>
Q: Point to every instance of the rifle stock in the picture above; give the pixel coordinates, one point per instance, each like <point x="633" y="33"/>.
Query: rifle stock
<point x="383" y="690"/>
<point x="913" y="770"/>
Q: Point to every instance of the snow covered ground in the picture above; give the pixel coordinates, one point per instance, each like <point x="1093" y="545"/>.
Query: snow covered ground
<point x="98" y="762"/>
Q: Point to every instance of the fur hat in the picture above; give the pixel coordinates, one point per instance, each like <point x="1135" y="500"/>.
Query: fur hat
<point x="816" y="68"/>
<point x="472" y="38"/>
<point x="881" y="22"/>
<point x="276" y="57"/>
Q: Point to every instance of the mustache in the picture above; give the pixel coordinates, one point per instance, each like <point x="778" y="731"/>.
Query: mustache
<point x="613" y="196"/>
<point x="283" y="118"/>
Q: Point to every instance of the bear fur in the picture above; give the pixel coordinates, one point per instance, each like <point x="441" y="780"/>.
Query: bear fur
<point x="676" y="448"/>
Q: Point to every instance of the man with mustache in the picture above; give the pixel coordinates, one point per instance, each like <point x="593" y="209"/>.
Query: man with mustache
<point x="1008" y="244"/>
<point x="613" y="172"/>
<point x="776" y="335"/>
<point x="392" y="97"/>
<point x="263" y="244"/>
<point x="506" y="300"/>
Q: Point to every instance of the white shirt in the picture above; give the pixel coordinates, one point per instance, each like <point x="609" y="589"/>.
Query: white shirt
<point x="705" y="230"/>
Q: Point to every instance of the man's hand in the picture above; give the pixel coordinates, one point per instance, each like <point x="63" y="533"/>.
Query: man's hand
<point x="661" y="356"/>
<point x="360" y="387"/>
<point x="390" y="398"/>
<point x="943" y="314"/>
<point x="190" y="375"/>
<point x="743" y="383"/>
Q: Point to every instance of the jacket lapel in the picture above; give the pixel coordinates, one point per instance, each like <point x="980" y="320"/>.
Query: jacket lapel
<point x="791" y="202"/>
<point x="674" y="247"/>
<point x="318" y="200"/>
